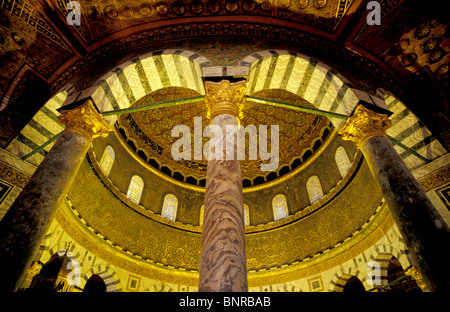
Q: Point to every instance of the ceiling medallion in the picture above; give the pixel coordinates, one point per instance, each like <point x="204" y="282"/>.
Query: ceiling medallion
<point x="266" y="5"/>
<point x="127" y="11"/>
<point x="162" y="8"/>
<point x="430" y="45"/>
<point x="145" y="9"/>
<point x="179" y="8"/>
<point x="422" y="31"/>
<point x="283" y="4"/>
<point x="442" y="70"/>
<point x="213" y="6"/>
<point x="301" y="4"/>
<point x="231" y="5"/>
<point x="248" y="5"/>
<point x="93" y="13"/>
<point x="400" y="46"/>
<point x="409" y="59"/>
<point x="18" y="39"/>
<point x="196" y="7"/>
<point x="319" y="4"/>
<point x="436" y="56"/>
<point x="111" y="12"/>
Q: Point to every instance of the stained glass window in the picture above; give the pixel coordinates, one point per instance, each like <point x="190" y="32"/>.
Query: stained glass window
<point x="246" y="215"/>
<point x="107" y="160"/>
<point x="202" y="213"/>
<point x="135" y="189"/>
<point x="170" y="205"/>
<point x="342" y="160"/>
<point x="279" y="206"/>
<point x="314" y="189"/>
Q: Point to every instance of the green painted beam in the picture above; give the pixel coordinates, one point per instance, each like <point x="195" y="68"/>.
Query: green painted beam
<point x="296" y="107"/>
<point x="328" y="114"/>
<point x="40" y="148"/>
<point x="406" y="148"/>
<point x="153" y="105"/>
<point x="248" y="97"/>
<point x="401" y="278"/>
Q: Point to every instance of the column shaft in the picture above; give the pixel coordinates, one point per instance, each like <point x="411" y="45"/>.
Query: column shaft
<point x="223" y="264"/>
<point x="423" y="229"/>
<point x="26" y="222"/>
<point x="28" y="219"/>
<point x="425" y="233"/>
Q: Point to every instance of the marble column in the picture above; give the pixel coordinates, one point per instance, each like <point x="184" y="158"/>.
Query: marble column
<point x="425" y="233"/>
<point x="26" y="222"/>
<point x="223" y="266"/>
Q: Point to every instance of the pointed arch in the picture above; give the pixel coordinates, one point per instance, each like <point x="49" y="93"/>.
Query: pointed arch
<point x="95" y="284"/>
<point x="107" y="274"/>
<point x="342" y="276"/>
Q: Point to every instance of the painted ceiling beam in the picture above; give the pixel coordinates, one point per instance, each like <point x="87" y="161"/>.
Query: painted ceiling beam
<point x="249" y="98"/>
<point x="153" y="105"/>
<point x="40" y="148"/>
<point x="296" y="107"/>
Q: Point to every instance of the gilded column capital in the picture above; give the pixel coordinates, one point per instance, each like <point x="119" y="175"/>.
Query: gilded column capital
<point x="85" y="120"/>
<point x="364" y="125"/>
<point x="225" y="98"/>
<point x="414" y="273"/>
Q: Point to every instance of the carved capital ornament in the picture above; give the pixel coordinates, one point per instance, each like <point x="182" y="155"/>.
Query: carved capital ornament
<point x="86" y="121"/>
<point x="364" y="125"/>
<point x="225" y="98"/>
<point x="414" y="273"/>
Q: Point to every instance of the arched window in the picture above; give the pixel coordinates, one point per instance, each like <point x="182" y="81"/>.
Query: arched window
<point x="170" y="205"/>
<point x="95" y="284"/>
<point x="202" y="213"/>
<point x="342" y="160"/>
<point x="279" y="206"/>
<point x="246" y="215"/>
<point x="314" y="189"/>
<point x="135" y="189"/>
<point x="354" y="285"/>
<point x="107" y="160"/>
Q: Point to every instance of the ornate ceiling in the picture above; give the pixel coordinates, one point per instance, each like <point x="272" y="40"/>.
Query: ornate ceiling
<point x="103" y="18"/>
<point x="406" y="53"/>
<point x="149" y="134"/>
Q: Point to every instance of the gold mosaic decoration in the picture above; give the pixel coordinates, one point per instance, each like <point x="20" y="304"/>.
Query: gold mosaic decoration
<point x="150" y="131"/>
<point x="364" y="125"/>
<point x="85" y="120"/>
